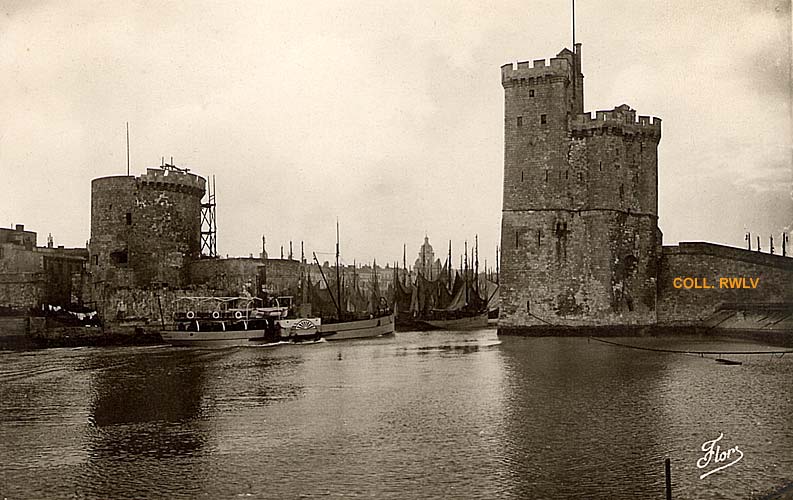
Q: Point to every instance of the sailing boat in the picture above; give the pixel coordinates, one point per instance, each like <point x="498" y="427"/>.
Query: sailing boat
<point x="444" y="302"/>
<point x="347" y="325"/>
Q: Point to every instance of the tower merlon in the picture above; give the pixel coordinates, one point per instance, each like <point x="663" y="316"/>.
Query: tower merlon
<point x="557" y="66"/>
<point x="185" y="180"/>
<point x="619" y="116"/>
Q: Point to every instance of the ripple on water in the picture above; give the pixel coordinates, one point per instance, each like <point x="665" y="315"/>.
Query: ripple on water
<point x="417" y="415"/>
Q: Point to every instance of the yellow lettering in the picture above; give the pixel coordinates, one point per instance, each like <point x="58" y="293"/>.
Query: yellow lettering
<point x="722" y="282"/>
<point x="755" y="282"/>
<point x="735" y="282"/>
<point x="677" y="282"/>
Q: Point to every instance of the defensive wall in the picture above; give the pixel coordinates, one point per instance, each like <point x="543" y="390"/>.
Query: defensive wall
<point x="690" y="306"/>
<point x="230" y="276"/>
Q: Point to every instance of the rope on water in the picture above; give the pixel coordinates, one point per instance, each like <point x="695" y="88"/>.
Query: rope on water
<point x="675" y="351"/>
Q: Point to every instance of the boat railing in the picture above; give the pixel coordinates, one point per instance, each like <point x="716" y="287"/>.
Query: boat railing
<point x="215" y="308"/>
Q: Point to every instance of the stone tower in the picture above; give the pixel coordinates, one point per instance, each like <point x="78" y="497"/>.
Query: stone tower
<point x="579" y="229"/>
<point x="145" y="230"/>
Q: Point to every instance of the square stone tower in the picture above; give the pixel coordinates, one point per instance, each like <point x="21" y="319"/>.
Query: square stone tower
<point x="579" y="231"/>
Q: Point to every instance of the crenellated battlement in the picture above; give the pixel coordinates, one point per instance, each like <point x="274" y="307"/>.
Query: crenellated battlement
<point x="528" y="72"/>
<point x="622" y="117"/>
<point x="174" y="179"/>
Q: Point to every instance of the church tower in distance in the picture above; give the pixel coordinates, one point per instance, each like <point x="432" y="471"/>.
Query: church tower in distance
<point x="579" y="232"/>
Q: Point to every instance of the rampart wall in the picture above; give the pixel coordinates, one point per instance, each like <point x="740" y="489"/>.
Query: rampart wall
<point x="774" y="275"/>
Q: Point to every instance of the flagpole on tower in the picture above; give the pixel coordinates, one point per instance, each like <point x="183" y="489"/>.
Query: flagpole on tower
<point x="573" y="25"/>
<point x="575" y="54"/>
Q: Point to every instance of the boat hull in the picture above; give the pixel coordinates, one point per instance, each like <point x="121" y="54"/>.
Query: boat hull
<point x="467" y="323"/>
<point x="216" y="339"/>
<point x="358" y="329"/>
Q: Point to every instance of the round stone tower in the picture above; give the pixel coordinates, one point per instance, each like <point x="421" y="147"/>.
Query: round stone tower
<point x="145" y="230"/>
<point x="579" y="233"/>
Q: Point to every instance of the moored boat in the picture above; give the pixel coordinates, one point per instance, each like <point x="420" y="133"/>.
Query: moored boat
<point x="359" y="328"/>
<point x="463" y="322"/>
<point x="378" y="321"/>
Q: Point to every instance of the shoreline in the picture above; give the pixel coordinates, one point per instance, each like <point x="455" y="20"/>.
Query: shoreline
<point x="781" y="338"/>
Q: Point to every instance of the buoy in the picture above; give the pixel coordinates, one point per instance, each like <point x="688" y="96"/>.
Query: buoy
<point x="215" y="314"/>
<point x="190" y="315"/>
<point x="238" y="314"/>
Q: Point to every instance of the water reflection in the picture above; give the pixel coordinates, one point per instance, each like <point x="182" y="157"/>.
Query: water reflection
<point x="592" y="421"/>
<point x="460" y="415"/>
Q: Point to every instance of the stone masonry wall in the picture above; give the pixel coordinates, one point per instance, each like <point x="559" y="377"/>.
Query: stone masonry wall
<point x="577" y="268"/>
<point x="145" y="230"/>
<point x="230" y="277"/>
<point x="21" y="290"/>
<point x="710" y="261"/>
<point x="579" y="239"/>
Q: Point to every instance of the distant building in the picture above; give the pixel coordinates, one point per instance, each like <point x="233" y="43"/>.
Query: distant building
<point x="32" y="276"/>
<point x="426" y="264"/>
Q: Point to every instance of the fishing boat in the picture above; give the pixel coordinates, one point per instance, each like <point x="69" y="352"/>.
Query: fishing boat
<point x="349" y="325"/>
<point x="235" y="321"/>
<point x="463" y="322"/>
<point x="444" y="300"/>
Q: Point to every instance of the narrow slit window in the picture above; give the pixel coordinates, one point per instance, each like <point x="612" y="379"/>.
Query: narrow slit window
<point x="129" y="218"/>
<point x="543" y="119"/>
<point x="517" y="243"/>
<point x="546" y="176"/>
<point x="521" y="176"/>
<point x="520" y="121"/>
<point x="531" y="93"/>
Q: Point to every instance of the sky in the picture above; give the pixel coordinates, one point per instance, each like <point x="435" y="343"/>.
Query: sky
<point x="387" y="116"/>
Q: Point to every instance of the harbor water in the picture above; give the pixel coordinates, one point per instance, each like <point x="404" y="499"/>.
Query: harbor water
<point x="413" y="415"/>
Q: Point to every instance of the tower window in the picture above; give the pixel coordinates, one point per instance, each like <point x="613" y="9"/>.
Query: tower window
<point x="119" y="257"/>
<point x="520" y="121"/>
<point x="96" y="259"/>
<point x="600" y="165"/>
<point x="580" y="177"/>
<point x="622" y="192"/>
<point x="521" y="176"/>
<point x="517" y="243"/>
<point x="546" y="176"/>
<point x="543" y="119"/>
<point x="129" y="218"/>
<point x="531" y="93"/>
<point x="566" y="174"/>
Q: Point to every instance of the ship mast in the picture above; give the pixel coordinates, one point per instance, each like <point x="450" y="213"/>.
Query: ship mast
<point x="338" y="281"/>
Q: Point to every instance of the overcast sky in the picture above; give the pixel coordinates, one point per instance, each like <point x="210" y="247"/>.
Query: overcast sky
<point x="387" y="115"/>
